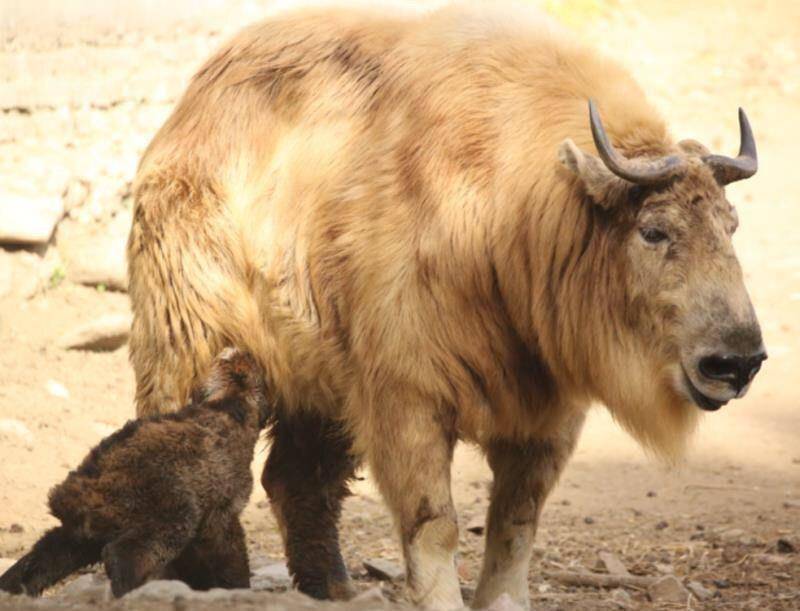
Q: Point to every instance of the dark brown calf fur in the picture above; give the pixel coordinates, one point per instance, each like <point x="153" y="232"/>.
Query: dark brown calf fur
<point x="162" y="496"/>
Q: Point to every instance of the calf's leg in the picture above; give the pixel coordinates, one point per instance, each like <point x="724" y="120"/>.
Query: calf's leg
<point x="58" y="554"/>
<point x="216" y="557"/>
<point x="145" y="552"/>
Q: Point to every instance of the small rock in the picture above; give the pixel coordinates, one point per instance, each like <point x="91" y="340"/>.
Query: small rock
<point x="17" y="428"/>
<point x="372" y="595"/>
<point x="21" y="273"/>
<point x="57" y="389"/>
<point x="384" y="570"/>
<point x="662" y="525"/>
<point x="732" y="534"/>
<point x="784" y="546"/>
<point x="504" y="602"/>
<point x="621" y="598"/>
<point x="28" y="219"/>
<point x="96" y="255"/>
<point x="651" y="493"/>
<point x="791" y="504"/>
<point x="88" y="589"/>
<point x="159" y="590"/>
<point x="218" y="597"/>
<point x="668" y="590"/>
<point x="699" y="590"/>
<point x="105" y="333"/>
<point x="666" y="569"/>
<point x="773" y="559"/>
<point x="16" y="529"/>
<point x="612" y="563"/>
<point x="273" y="576"/>
<point x="588" y="520"/>
<point x="75" y="193"/>
<point x="476" y="526"/>
<point x="722" y="583"/>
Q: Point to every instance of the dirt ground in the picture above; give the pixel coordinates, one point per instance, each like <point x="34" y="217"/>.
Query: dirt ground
<point x="82" y="94"/>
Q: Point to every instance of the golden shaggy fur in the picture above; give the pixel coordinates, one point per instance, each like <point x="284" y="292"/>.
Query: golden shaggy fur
<point x="385" y="206"/>
<point x="374" y="207"/>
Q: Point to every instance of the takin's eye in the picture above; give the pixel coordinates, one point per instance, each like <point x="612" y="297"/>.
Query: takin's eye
<point x="651" y="235"/>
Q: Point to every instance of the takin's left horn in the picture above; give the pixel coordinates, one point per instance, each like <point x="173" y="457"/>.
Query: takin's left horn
<point x="730" y="169"/>
<point x="638" y="171"/>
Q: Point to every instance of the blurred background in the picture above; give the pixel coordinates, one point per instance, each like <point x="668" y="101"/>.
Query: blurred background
<point x="85" y="84"/>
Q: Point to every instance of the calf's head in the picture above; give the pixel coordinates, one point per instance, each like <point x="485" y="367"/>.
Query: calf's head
<point x="685" y="299"/>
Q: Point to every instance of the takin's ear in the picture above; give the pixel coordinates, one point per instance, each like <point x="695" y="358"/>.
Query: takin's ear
<point x="600" y="183"/>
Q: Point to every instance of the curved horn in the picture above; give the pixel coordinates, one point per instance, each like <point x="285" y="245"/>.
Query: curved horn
<point x="641" y="172"/>
<point x="730" y="169"/>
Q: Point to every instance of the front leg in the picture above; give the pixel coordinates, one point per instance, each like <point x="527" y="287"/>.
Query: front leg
<point x="409" y="447"/>
<point x="524" y="474"/>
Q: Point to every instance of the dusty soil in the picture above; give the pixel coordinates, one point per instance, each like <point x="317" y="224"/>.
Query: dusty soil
<point x="83" y="99"/>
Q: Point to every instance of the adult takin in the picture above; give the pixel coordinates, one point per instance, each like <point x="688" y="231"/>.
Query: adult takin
<point x="423" y="234"/>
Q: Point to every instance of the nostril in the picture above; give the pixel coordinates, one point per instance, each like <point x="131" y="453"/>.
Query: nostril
<point x="717" y="367"/>
<point x="752" y="365"/>
<point x="733" y="369"/>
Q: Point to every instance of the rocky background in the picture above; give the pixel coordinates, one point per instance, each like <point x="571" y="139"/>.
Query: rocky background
<point x="84" y="85"/>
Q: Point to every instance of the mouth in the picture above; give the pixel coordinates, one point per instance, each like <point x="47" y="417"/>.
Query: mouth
<point x="702" y="401"/>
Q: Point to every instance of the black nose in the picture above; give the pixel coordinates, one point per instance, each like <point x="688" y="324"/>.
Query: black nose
<point x="734" y="369"/>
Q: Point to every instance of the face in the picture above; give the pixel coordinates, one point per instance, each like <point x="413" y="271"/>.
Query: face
<point x="687" y="304"/>
<point x="686" y="287"/>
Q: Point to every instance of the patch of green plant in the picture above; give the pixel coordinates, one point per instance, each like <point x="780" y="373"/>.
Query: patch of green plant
<point x="56" y="277"/>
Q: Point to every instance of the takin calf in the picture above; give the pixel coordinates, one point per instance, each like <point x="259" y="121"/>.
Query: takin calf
<point x="162" y="496"/>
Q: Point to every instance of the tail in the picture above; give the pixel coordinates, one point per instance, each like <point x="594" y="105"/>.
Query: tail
<point x="55" y="556"/>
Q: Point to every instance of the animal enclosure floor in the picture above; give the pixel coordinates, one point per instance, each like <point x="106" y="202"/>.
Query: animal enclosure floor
<point x="81" y="102"/>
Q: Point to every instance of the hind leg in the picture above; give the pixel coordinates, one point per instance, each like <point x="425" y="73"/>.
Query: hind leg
<point x="305" y="478"/>
<point x="56" y="555"/>
<point x="171" y="257"/>
<point x="143" y="553"/>
<point x="216" y="558"/>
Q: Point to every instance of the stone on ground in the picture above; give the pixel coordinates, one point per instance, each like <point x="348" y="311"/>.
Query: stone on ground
<point x="86" y="589"/>
<point x="106" y="333"/>
<point x="668" y="590"/>
<point x="159" y="590"/>
<point x="699" y="590"/>
<point x="272" y="576"/>
<point x="476" y="525"/>
<point x="384" y="570"/>
<point x="612" y="563"/>
<point x="28" y="219"/>
<point x="96" y="254"/>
